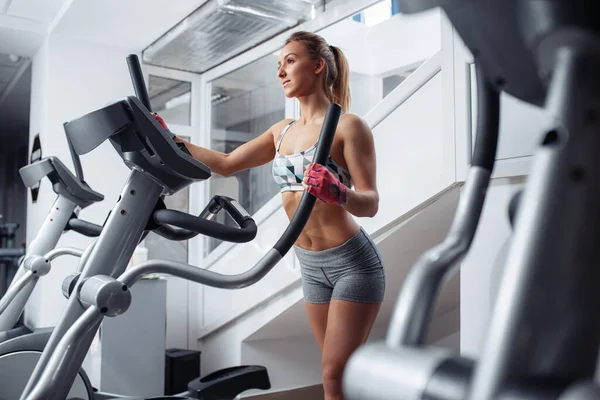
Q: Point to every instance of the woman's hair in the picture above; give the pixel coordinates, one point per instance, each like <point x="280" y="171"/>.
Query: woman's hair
<point x="337" y="77"/>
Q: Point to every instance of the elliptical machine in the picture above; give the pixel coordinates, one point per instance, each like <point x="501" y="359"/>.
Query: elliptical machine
<point x="159" y="167"/>
<point x="19" y="344"/>
<point x="544" y="334"/>
<point x="72" y="193"/>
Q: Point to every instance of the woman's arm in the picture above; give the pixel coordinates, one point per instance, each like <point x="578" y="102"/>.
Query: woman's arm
<point x="359" y="154"/>
<point x="254" y="153"/>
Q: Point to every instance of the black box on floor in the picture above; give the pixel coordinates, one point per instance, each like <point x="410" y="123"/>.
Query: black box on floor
<point x="181" y="367"/>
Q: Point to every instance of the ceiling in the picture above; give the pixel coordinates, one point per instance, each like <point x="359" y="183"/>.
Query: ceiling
<point x="25" y="24"/>
<point x="132" y="25"/>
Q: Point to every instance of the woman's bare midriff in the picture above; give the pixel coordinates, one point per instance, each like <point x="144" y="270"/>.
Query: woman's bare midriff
<point x="329" y="225"/>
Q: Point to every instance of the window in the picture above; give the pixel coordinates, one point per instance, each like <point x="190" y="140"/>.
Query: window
<point x="245" y="103"/>
<point x="171" y="99"/>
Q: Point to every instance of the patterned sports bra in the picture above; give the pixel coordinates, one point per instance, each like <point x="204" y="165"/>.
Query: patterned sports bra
<point x="288" y="170"/>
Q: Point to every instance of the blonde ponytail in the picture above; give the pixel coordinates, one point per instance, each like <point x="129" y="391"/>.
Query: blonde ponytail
<point x="341" y="84"/>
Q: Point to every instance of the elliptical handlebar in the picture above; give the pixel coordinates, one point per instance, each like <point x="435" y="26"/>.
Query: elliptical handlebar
<point x="198" y="225"/>
<point x="85" y="228"/>
<point x="415" y="304"/>
<point x="137" y="79"/>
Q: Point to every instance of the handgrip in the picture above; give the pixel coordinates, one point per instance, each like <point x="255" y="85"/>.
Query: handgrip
<point x="488" y="122"/>
<point x="137" y="78"/>
<point x="84" y="227"/>
<point x="175" y="234"/>
<point x="245" y="233"/>
<point x="231" y="206"/>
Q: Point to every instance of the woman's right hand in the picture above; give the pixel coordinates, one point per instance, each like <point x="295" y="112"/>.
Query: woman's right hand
<point x="162" y="123"/>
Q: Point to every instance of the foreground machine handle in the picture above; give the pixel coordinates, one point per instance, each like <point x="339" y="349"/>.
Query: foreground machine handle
<point x="103" y="286"/>
<point x="412" y="369"/>
<point x="544" y="333"/>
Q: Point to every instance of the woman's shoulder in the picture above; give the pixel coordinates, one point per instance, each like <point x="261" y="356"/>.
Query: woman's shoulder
<point x="352" y="124"/>
<point x="279" y="126"/>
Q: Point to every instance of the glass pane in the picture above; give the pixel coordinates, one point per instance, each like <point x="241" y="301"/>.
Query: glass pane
<point x="383" y="48"/>
<point x="171" y="99"/>
<point x="245" y="103"/>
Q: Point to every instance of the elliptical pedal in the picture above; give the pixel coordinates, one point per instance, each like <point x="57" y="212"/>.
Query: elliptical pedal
<point x="227" y="383"/>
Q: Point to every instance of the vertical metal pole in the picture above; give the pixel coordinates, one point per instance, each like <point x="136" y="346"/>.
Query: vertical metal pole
<point x="545" y="326"/>
<point x="45" y="240"/>
<point x="110" y="257"/>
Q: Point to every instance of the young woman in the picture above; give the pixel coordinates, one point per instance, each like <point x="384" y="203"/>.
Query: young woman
<point x="342" y="270"/>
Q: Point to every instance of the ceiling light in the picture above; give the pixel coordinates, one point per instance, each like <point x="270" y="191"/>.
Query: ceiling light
<point x="221" y="29"/>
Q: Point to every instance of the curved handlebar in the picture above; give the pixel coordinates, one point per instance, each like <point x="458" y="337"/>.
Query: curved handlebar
<point x="488" y="121"/>
<point x="414" y="306"/>
<point x="137" y="78"/>
<point x="245" y="233"/>
<point x="175" y="234"/>
<point x="308" y="200"/>
<point x="216" y="204"/>
<point x="84" y="227"/>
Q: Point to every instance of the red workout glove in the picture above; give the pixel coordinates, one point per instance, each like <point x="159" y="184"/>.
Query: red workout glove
<point x="321" y="183"/>
<point x="162" y="123"/>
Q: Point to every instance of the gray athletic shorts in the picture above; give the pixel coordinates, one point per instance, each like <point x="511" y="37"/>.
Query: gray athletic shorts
<point x="352" y="271"/>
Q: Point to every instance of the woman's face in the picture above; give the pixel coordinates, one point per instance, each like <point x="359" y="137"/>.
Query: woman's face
<point x="297" y="72"/>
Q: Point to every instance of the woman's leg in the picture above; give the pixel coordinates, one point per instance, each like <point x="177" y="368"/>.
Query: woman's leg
<point x="317" y="316"/>
<point x="348" y="326"/>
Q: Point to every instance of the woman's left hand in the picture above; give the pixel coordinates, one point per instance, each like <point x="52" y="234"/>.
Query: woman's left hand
<point x="321" y="183"/>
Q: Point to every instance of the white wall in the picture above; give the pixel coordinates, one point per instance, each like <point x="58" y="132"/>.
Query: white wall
<point x="378" y="51"/>
<point x="411" y="153"/>
<point x="71" y="78"/>
<point x="389" y="46"/>
<point x="404" y="40"/>
<point x="300" y="354"/>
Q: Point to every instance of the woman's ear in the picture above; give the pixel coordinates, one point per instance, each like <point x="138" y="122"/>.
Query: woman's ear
<point x="319" y="66"/>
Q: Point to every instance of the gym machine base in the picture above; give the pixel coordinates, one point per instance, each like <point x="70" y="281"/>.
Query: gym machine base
<point x="547" y="53"/>
<point x="159" y="167"/>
